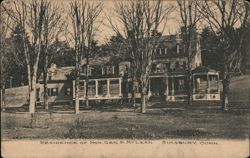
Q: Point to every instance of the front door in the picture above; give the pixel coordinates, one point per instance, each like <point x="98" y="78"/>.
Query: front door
<point x="157" y="88"/>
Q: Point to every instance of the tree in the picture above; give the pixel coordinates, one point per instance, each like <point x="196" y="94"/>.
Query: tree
<point x="15" y="59"/>
<point x="84" y="18"/>
<point x="245" y="66"/>
<point x="140" y="22"/>
<point x="61" y="54"/>
<point x="223" y="17"/>
<point x="30" y="16"/>
<point x="190" y="16"/>
<point x="210" y="52"/>
<point x="3" y="35"/>
<point x="52" y="27"/>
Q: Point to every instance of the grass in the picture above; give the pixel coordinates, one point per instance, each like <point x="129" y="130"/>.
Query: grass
<point x="155" y="124"/>
<point x="160" y="121"/>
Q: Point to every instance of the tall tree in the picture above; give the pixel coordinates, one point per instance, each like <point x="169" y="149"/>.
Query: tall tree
<point x="15" y="59"/>
<point x="140" y="22"/>
<point x="84" y="16"/>
<point x="3" y="36"/>
<point x="30" y="16"/>
<point x="52" y="27"/>
<point x="210" y="52"/>
<point x="223" y="17"/>
<point x="190" y="16"/>
<point x="60" y="53"/>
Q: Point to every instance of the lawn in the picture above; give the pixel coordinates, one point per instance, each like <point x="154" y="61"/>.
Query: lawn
<point x="158" y="123"/>
<point x="170" y="120"/>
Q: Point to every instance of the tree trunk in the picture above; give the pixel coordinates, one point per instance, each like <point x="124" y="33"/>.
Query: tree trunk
<point x="190" y="89"/>
<point x="3" y="97"/>
<point x="32" y="99"/>
<point x="33" y="119"/>
<point x="77" y="94"/>
<point x="87" y="85"/>
<point x="143" y="102"/>
<point x="225" y="91"/>
<point x="133" y="93"/>
<point x="45" y="86"/>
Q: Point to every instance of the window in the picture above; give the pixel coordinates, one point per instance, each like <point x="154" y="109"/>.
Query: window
<point x="91" y="88"/>
<point x="166" y="51"/>
<point x="102" y="88"/>
<point x="201" y="83"/>
<point x="177" y="65"/>
<point x="107" y="70"/>
<point x="84" y="70"/>
<point x="50" y="76"/>
<point x="38" y="94"/>
<point x="52" y="91"/>
<point x="184" y="65"/>
<point x="168" y="66"/>
<point x="153" y="67"/>
<point x="158" y="51"/>
<point x="68" y="91"/>
<point x="81" y="89"/>
<point x="163" y="51"/>
<point x="114" y="87"/>
<point x="213" y="79"/>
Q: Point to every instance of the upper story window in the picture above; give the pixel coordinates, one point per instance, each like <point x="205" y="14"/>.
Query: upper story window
<point x="68" y="91"/>
<point x="50" y="76"/>
<point x="52" y="91"/>
<point x="161" y="51"/>
<point x="84" y="70"/>
<point x="184" y="65"/>
<point x="108" y="70"/>
<point x="177" y="65"/>
<point x="167" y="66"/>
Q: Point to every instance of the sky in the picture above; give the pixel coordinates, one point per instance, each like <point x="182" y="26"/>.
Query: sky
<point x="104" y="31"/>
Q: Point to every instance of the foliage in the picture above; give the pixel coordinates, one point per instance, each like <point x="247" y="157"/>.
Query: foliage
<point x="61" y="54"/>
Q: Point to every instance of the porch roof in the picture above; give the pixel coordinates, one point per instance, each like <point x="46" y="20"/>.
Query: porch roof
<point x="203" y="70"/>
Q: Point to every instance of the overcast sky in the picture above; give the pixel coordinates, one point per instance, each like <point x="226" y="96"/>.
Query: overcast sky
<point x="105" y="32"/>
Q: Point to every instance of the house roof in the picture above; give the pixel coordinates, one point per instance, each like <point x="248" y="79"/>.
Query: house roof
<point x="203" y="69"/>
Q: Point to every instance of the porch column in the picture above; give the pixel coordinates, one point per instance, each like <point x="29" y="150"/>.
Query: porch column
<point x="74" y="87"/>
<point x="172" y="85"/>
<point x="167" y="90"/>
<point x="149" y="88"/>
<point x="193" y="78"/>
<point x="218" y="83"/>
<point x="208" y="84"/>
<point x="84" y="89"/>
<point x="108" y="84"/>
<point x="120" y="87"/>
<point x="96" y="88"/>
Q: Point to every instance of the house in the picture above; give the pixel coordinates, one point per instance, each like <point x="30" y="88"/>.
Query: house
<point x="110" y="77"/>
<point x="59" y="85"/>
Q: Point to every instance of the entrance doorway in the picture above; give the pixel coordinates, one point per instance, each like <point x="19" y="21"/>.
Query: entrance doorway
<point x="157" y="88"/>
